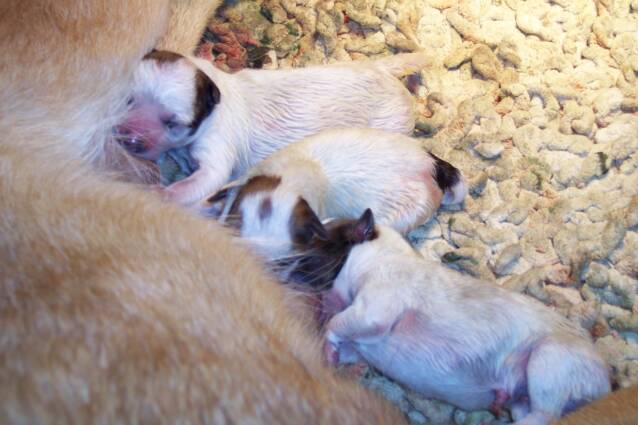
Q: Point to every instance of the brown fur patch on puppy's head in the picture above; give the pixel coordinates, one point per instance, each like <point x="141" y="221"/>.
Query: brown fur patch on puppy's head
<point x="323" y="257"/>
<point x="207" y="95"/>
<point x="304" y="224"/>
<point x="262" y="183"/>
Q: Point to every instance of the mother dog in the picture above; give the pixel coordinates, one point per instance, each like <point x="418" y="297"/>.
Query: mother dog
<point x="105" y="317"/>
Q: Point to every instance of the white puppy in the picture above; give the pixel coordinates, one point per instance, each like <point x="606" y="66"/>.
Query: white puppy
<point x="454" y="338"/>
<point x="235" y="120"/>
<point x="337" y="173"/>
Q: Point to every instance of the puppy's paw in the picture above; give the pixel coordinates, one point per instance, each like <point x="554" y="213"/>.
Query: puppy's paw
<point x="186" y="193"/>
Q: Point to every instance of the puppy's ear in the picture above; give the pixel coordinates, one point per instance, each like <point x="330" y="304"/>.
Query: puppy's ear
<point x="364" y="228"/>
<point x="219" y="196"/>
<point x="207" y="95"/>
<point x="217" y="205"/>
<point x="214" y="206"/>
<point x="305" y="225"/>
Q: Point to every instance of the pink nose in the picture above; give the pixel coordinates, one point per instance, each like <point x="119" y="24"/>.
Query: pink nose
<point x="131" y="142"/>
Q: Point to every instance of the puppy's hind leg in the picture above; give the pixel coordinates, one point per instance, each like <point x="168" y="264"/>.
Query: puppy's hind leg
<point x="562" y="372"/>
<point x="215" y="168"/>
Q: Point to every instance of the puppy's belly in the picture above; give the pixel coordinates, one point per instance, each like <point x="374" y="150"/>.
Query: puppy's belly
<point x="436" y="374"/>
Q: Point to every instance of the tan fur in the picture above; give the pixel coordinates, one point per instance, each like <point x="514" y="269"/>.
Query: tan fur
<point x="186" y="25"/>
<point x="617" y="408"/>
<point x="115" y="307"/>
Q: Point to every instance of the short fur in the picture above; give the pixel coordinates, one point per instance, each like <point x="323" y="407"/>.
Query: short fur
<point x="617" y="408"/>
<point x="115" y="307"/>
<point x="261" y="111"/>
<point x="317" y="266"/>
<point x="340" y="173"/>
<point x="457" y="339"/>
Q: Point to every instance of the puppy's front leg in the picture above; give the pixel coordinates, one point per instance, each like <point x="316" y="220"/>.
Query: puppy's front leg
<point x="215" y="167"/>
<point x="365" y="321"/>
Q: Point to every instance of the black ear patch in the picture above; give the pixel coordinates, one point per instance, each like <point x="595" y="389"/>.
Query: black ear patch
<point x="216" y="204"/>
<point x="363" y="230"/>
<point x="322" y="259"/>
<point x="304" y="224"/>
<point x="162" y="56"/>
<point x="207" y="95"/>
<point x="219" y="196"/>
<point x="446" y="174"/>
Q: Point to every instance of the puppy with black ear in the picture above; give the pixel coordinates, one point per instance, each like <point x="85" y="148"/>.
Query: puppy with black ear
<point x="319" y="263"/>
<point x="337" y="173"/>
<point x="235" y="120"/>
<point x="454" y="338"/>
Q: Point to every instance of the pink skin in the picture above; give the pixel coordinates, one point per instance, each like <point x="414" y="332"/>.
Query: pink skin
<point x="340" y="322"/>
<point x="433" y="188"/>
<point x="331" y="304"/>
<point x="143" y="133"/>
<point x="501" y="398"/>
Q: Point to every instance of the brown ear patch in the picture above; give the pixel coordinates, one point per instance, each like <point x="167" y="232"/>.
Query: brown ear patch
<point x="163" y="56"/>
<point x="363" y="229"/>
<point x="322" y="259"/>
<point x="207" y="95"/>
<point x="253" y="185"/>
<point x="260" y="183"/>
<point x="304" y="224"/>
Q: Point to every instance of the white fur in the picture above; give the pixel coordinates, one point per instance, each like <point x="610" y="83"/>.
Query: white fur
<point x="454" y="338"/>
<point x="340" y="173"/>
<point x="167" y="84"/>
<point x="262" y="111"/>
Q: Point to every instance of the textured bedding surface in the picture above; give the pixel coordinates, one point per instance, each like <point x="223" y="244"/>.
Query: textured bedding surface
<point x="536" y="102"/>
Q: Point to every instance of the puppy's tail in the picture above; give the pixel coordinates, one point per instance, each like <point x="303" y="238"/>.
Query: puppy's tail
<point x="450" y="180"/>
<point x="404" y="63"/>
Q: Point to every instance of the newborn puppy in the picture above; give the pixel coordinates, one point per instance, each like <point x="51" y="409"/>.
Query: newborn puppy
<point x="337" y="173"/>
<point x="235" y="120"/>
<point x="454" y="338"/>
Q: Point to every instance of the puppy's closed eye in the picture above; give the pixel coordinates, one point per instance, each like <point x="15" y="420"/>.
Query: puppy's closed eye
<point x="170" y="124"/>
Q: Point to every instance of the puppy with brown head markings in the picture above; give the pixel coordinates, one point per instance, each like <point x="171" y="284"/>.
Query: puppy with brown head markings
<point x="324" y="255"/>
<point x="107" y="315"/>
<point x="453" y="338"/>
<point x="337" y="173"/>
<point x="235" y="120"/>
